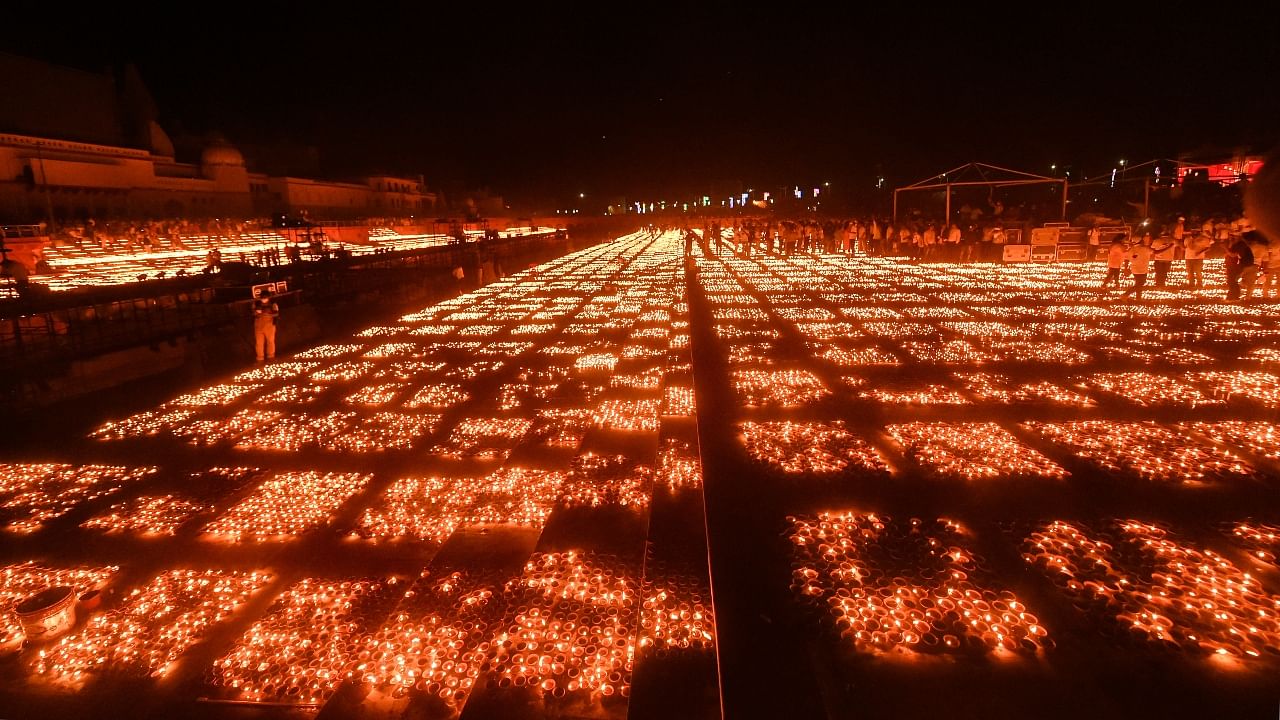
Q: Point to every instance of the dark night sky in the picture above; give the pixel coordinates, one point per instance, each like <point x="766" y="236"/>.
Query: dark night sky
<point x="635" y="100"/>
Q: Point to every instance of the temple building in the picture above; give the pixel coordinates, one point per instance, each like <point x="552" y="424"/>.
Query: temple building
<point x="77" y="144"/>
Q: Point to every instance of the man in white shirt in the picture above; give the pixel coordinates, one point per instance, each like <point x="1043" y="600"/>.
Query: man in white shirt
<point x="1195" y="249"/>
<point x="1139" y="257"/>
<point x="1163" y="250"/>
<point x="954" y="238"/>
<point x="1115" y="263"/>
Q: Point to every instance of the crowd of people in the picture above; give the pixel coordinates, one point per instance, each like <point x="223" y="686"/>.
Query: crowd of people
<point x="1149" y="251"/>
<point x="917" y="240"/>
<point x="134" y="236"/>
<point x="1251" y="261"/>
<point x="313" y="249"/>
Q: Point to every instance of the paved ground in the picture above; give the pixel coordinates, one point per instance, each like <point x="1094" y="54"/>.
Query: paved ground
<point x="986" y="491"/>
<point x="978" y="490"/>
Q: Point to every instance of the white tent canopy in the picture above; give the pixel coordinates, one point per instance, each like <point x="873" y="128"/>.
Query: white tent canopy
<point x="978" y="174"/>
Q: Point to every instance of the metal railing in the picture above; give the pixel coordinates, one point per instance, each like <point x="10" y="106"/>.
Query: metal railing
<point x="22" y="231"/>
<point x="35" y="340"/>
<point x="60" y="334"/>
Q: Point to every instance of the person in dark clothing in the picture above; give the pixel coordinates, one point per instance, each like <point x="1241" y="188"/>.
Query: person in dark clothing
<point x="16" y="273"/>
<point x="1239" y="264"/>
<point x="473" y="266"/>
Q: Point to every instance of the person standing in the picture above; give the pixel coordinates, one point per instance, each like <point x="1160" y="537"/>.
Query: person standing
<point x="1163" y="251"/>
<point x="1271" y="278"/>
<point x="16" y="272"/>
<point x="999" y="239"/>
<point x="265" y="312"/>
<point x="474" y="265"/>
<point x="1139" y="257"/>
<point x="1222" y="234"/>
<point x="487" y="271"/>
<point x="928" y="243"/>
<point x="1261" y="256"/>
<point x="1115" y="263"/>
<point x="1095" y="242"/>
<point x="459" y="278"/>
<point x="1239" y="265"/>
<point x="954" y="236"/>
<point x="1196" y="247"/>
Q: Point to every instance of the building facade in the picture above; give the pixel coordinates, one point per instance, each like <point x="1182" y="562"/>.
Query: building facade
<point x="77" y="144"/>
<point x="46" y="179"/>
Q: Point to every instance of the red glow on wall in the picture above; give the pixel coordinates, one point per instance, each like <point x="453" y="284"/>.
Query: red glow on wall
<point x="1221" y="173"/>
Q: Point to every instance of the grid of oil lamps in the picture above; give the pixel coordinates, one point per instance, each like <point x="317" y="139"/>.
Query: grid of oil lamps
<point x="574" y="629"/>
<point x="33" y="494"/>
<point x="1147" y="450"/>
<point x="572" y="622"/>
<point x="19" y="580"/>
<point x="436" y="640"/>
<point x="970" y="451"/>
<point x="779" y="388"/>
<point x="678" y="466"/>
<point x="962" y="319"/>
<point x="906" y="586"/>
<point x="1259" y="437"/>
<point x="1158" y="588"/>
<point x="147" y="515"/>
<point x="154" y="625"/>
<point x="82" y="266"/>
<point x="911" y="394"/>
<point x="928" y="331"/>
<point x="597" y="480"/>
<point x="301" y="650"/>
<point x="1261" y="540"/>
<point x="432" y="509"/>
<point x="352" y="395"/>
<point x="285" y="506"/>
<point x="817" y="448"/>
<point x="996" y="388"/>
<point x="675" y="611"/>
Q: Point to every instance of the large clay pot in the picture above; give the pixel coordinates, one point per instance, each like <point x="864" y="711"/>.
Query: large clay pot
<point x="47" y="614"/>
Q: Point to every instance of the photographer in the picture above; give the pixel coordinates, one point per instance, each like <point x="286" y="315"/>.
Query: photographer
<point x="265" y="312"/>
